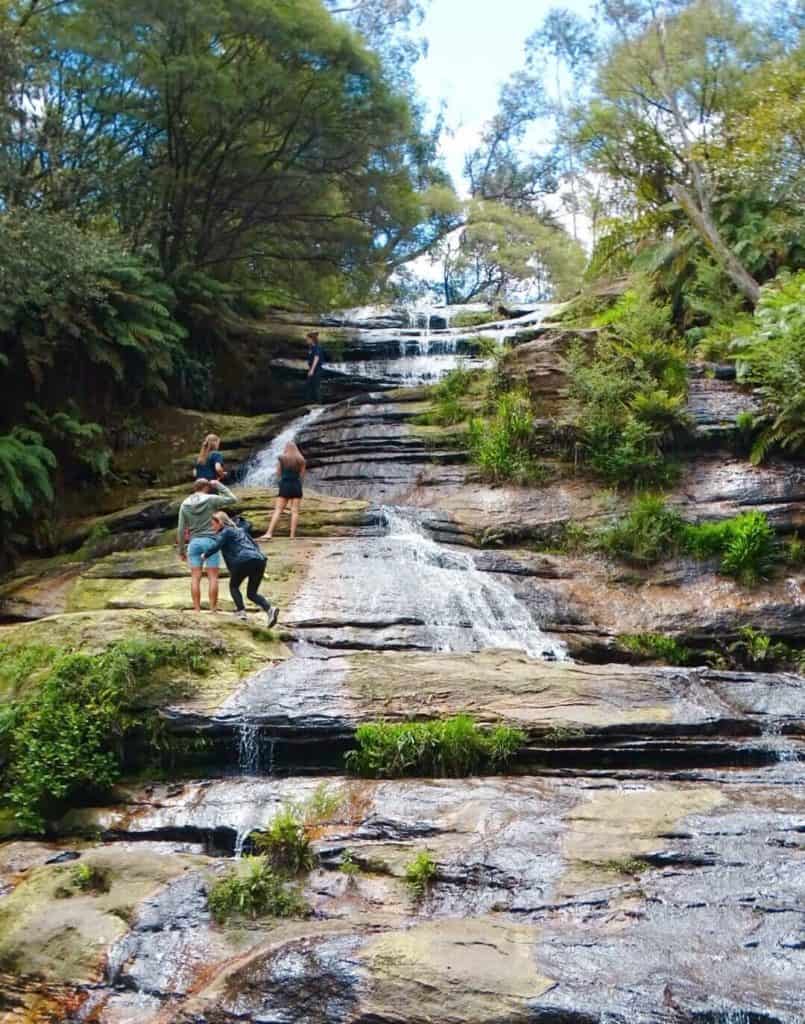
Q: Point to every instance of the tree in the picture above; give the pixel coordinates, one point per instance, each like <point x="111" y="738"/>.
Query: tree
<point x="763" y="145"/>
<point x="246" y="139"/>
<point x="386" y="25"/>
<point x="567" y="42"/>
<point x="665" y="88"/>
<point x="501" y="250"/>
<point x="496" y="168"/>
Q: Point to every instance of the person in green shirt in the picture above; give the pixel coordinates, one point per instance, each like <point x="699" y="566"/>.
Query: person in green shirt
<point x="195" y="535"/>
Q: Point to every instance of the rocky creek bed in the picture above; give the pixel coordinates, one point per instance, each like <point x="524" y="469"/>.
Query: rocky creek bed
<point x="642" y="861"/>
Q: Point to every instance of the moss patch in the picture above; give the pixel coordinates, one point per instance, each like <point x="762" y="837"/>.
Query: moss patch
<point x="92" y="632"/>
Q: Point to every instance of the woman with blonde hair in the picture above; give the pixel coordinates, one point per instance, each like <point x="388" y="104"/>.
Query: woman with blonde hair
<point x="291" y="467"/>
<point x="210" y="463"/>
<point x="245" y="561"/>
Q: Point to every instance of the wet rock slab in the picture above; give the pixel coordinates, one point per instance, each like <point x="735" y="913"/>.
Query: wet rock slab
<point x="670" y="892"/>
<point x="573" y="715"/>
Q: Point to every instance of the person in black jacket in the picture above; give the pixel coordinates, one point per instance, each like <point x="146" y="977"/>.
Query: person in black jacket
<point x="245" y="561"/>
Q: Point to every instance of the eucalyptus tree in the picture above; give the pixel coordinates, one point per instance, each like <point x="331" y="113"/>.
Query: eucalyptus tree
<point x="562" y="53"/>
<point x="666" y="85"/>
<point x="501" y="251"/>
<point x="499" y="168"/>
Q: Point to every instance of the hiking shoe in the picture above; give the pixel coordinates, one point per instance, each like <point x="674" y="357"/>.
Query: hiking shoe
<point x="242" y="616"/>
<point x="271" y="616"/>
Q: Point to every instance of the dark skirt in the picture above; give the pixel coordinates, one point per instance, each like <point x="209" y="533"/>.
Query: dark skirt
<point x="290" y="486"/>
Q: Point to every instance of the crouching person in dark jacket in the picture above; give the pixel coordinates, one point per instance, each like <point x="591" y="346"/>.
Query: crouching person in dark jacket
<point x="245" y="561"/>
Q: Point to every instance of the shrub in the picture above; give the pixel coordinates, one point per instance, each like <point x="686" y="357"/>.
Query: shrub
<point x="718" y="341"/>
<point x="628" y="399"/>
<point x="662" y="412"/>
<point x="501" y="446"/>
<point x="23" y="667"/>
<point x="471" y="318"/>
<point x="772" y="357"/>
<point x="746" y="545"/>
<point x="349" y="866"/>
<point x="649" y="532"/>
<point x="66" y="738"/>
<point x="89" y="878"/>
<point x="754" y="648"/>
<point x="629" y="455"/>
<point x="658" y="647"/>
<point x="26" y="488"/>
<point x="419" y="874"/>
<point x="487" y="347"/>
<point x="794" y="550"/>
<point x="80" y="315"/>
<point x="451" y="747"/>
<point x="448" y="408"/>
<point x="253" y="890"/>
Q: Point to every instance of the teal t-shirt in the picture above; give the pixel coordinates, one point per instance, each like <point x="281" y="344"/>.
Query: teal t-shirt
<point x="206" y="470"/>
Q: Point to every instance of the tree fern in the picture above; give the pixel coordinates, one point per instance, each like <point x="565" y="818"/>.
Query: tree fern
<point x="69" y="298"/>
<point x="25" y="473"/>
<point x="772" y="357"/>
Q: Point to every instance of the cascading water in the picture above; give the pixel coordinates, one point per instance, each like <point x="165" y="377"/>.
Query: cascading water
<point x="783" y="747"/>
<point x="249" y="749"/>
<point x="261" y="471"/>
<point x="459" y="603"/>
<point x="402" y="589"/>
<point x="429" y="347"/>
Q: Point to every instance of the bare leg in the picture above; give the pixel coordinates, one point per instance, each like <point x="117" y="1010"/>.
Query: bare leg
<point x="279" y="508"/>
<point x="295" y="503"/>
<point x="212" y="575"/>
<point x="195" y="588"/>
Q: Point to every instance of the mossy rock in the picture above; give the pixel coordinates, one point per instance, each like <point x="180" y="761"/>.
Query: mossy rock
<point x="236" y="649"/>
<point x="63" y="939"/>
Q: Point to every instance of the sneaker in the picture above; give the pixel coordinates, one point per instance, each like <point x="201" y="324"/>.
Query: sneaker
<point x="242" y="616"/>
<point x="271" y="616"/>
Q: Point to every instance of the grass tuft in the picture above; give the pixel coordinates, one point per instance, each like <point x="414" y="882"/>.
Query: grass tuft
<point x="419" y="875"/>
<point x="453" y="747"/>
<point x="253" y="889"/>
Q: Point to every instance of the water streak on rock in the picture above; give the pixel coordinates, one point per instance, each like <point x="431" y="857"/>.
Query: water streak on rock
<point x="261" y="472"/>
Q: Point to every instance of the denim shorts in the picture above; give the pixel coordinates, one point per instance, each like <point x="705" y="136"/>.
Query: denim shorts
<point x="199" y="546"/>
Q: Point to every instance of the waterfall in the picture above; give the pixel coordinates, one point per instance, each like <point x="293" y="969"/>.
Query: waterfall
<point x="455" y="599"/>
<point x="249" y="749"/>
<point x="261" y="471"/>
<point x="418" y="352"/>
<point x="240" y="841"/>
<point x="783" y="747"/>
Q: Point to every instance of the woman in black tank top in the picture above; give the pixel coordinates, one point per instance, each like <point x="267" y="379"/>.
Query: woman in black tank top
<point x="290" y="470"/>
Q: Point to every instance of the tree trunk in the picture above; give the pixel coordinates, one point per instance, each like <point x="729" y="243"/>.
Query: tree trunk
<point x="704" y="224"/>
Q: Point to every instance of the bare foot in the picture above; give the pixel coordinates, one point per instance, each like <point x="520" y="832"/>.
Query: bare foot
<point x="266" y="536"/>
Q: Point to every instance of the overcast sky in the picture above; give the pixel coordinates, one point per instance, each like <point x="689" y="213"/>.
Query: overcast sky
<point x="473" y="47"/>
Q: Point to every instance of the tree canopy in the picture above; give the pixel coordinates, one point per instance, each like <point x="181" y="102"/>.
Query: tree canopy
<point x="167" y="166"/>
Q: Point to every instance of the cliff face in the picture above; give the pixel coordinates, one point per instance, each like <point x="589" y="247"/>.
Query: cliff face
<point x="641" y="860"/>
